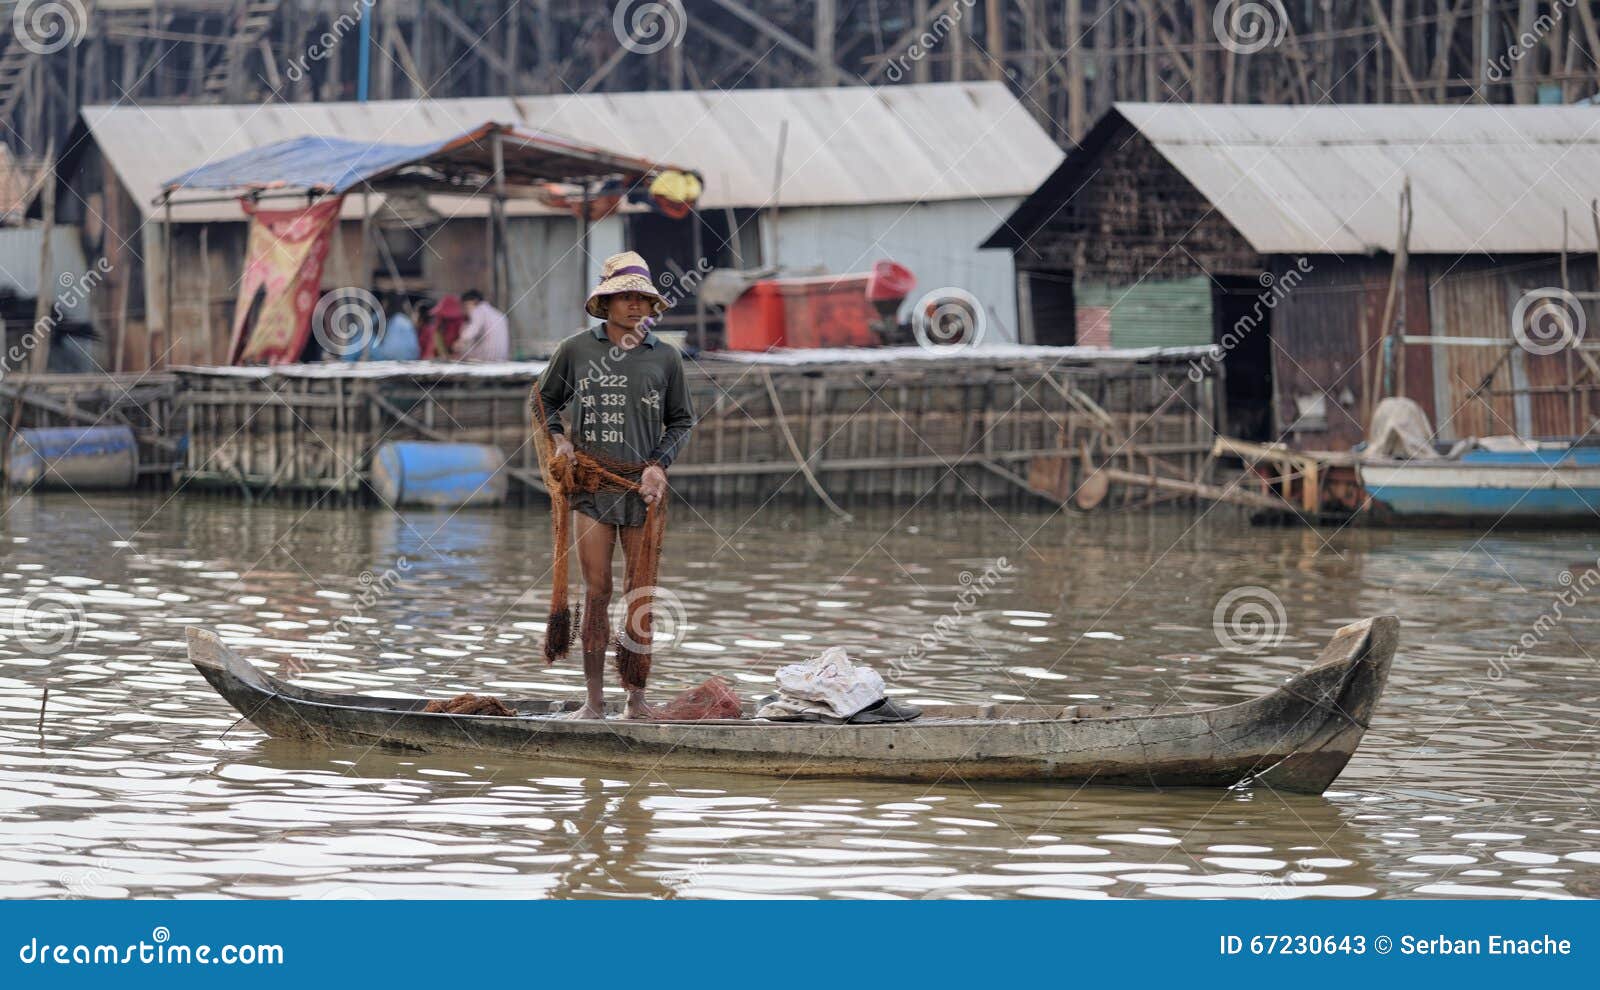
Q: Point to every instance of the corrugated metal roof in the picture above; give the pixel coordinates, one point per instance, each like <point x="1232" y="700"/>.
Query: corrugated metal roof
<point x="845" y="146"/>
<point x="1326" y="179"/>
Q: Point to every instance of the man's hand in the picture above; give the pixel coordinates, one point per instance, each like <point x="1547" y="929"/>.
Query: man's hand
<point x="653" y="484"/>
<point x="561" y="447"/>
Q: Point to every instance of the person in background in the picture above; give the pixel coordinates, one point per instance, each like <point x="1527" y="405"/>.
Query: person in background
<point x="487" y="335"/>
<point x="441" y="325"/>
<point x="399" y="339"/>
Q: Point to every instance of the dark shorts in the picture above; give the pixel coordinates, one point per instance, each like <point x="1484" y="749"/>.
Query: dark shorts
<point x="614" y="508"/>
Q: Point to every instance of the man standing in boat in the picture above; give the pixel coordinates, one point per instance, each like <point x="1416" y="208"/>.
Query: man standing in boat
<point x="631" y="415"/>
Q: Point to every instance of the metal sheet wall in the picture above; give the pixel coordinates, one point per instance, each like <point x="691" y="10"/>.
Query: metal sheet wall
<point x="1152" y="312"/>
<point x="19" y="263"/>
<point x="937" y="241"/>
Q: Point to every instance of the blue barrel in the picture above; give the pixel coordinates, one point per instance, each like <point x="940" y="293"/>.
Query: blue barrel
<point x="75" y="457"/>
<point x="445" y="475"/>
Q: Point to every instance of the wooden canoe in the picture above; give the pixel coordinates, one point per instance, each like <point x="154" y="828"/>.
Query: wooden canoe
<point x="1296" y="738"/>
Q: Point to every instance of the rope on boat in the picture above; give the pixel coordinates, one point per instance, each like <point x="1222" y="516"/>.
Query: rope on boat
<point x="794" y="449"/>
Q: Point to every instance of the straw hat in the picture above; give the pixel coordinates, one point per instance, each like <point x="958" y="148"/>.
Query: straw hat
<point x="625" y="272"/>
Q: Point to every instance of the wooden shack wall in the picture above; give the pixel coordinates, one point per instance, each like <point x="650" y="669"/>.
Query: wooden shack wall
<point x="1540" y="395"/>
<point x="1326" y="342"/>
<point x="1130" y="215"/>
<point x="108" y="224"/>
<point x="1126" y="218"/>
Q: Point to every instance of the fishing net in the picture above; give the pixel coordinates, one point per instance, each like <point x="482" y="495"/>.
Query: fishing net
<point x="594" y="471"/>
<point x="471" y="704"/>
<point x="712" y="698"/>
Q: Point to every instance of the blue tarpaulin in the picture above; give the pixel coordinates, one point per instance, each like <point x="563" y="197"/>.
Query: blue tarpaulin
<point x="334" y="165"/>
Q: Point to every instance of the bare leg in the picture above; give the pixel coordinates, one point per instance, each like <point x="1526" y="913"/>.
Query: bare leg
<point x="594" y="541"/>
<point x="631" y="538"/>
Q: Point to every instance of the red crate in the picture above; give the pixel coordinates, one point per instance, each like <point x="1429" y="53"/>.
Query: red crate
<point x="819" y="311"/>
<point x="755" y="320"/>
<point x="827" y="311"/>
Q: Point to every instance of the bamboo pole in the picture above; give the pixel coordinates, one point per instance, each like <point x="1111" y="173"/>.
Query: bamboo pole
<point x="1389" y="332"/>
<point x="39" y="360"/>
<point x="1077" y="114"/>
<point x="994" y="38"/>
<point x="205" y="292"/>
<point x="1396" y="49"/>
<point x="1215" y="493"/>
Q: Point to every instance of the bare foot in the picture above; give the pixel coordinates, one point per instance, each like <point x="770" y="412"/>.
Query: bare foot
<point x="587" y="712"/>
<point x="637" y="708"/>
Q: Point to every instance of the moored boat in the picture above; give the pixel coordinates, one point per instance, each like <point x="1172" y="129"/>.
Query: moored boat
<point x="1543" y="483"/>
<point x="1297" y="737"/>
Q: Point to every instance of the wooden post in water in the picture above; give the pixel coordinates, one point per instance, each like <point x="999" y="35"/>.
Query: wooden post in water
<point x="1572" y="374"/>
<point x="166" y="288"/>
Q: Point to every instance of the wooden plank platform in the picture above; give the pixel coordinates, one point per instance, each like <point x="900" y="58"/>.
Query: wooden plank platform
<point x="998" y="427"/>
<point x="978" y="428"/>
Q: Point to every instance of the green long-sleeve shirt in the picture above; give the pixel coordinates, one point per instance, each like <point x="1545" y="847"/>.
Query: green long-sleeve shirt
<point x="632" y="405"/>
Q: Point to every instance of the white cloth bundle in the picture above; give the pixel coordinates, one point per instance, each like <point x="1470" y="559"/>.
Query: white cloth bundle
<point x="830" y="684"/>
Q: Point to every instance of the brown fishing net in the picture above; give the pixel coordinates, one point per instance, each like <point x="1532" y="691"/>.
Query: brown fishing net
<point x="711" y="699"/>
<point x="470" y="704"/>
<point x="593" y="471"/>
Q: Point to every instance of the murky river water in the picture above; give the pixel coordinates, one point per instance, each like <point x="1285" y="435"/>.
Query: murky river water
<point x="1468" y="785"/>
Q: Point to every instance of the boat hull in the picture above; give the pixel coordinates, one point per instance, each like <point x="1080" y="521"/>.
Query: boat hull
<point x="1297" y="738"/>
<point x="1544" y="487"/>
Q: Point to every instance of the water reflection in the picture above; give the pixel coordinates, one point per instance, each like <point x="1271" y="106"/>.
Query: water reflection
<point x="140" y="783"/>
